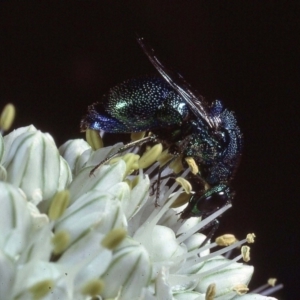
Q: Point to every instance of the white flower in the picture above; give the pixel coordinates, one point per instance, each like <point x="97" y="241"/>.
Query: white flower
<point x="33" y="163"/>
<point x="15" y="221"/>
<point x="79" y="249"/>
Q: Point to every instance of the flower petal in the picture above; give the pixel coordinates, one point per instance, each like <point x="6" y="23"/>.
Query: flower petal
<point x="1" y="147"/>
<point x="87" y="258"/>
<point x="130" y="269"/>
<point x="72" y="151"/>
<point x="224" y="278"/>
<point x="15" y="220"/>
<point x="35" y="272"/>
<point x="7" y="275"/>
<point x="103" y="179"/>
<point x="138" y="197"/>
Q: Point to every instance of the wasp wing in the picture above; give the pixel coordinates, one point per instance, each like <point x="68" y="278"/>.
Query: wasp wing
<point x="194" y="100"/>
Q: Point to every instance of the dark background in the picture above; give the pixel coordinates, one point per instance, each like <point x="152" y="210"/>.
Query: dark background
<point x="58" y="57"/>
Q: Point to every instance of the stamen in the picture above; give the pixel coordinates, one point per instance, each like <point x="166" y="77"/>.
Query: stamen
<point x="192" y="164"/>
<point x="185" y="184"/>
<point x="60" y="241"/>
<point x="203" y="223"/>
<point x="211" y="255"/>
<point x="94" y="139"/>
<point x="135" y="136"/>
<point x="149" y="157"/>
<point x="240" y="289"/>
<point x="272" y="290"/>
<point x="7" y="117"/>
<point x="59" y="204"/>
<point x="93" y="288"/>
<point x="225" y="240"/>
<point x="131" y="161"/>
<point x="210" y="292"/>
<point x="245" y="250"/>
<point x="41" y="289"/>
<point x="250" y="238"/>
<point x="266" y="290"/>
<point x="164" y="157"/>
<point x="114" y="238"/>
<point x="182" y="199"/>
<point x="176" y="165"/>
<point x="272" y="281"/>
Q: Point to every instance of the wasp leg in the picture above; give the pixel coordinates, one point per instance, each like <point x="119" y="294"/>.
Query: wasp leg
<point x="215" y="225"/>
<point x="153" y="189"/>
<point x="140" y="142"/>
<point x="159" y="178"/>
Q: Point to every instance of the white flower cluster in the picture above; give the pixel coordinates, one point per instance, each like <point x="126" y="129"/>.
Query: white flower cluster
<point x="62" y="231"/>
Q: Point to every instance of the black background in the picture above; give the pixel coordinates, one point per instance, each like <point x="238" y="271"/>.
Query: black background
<point x="58" y="57"/>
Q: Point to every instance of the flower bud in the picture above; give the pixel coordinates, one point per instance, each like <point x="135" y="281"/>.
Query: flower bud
<point x="87" y="257"/>
<point x="104" y="178"/>
<point x="15" y="220"/>
<point x="33" y="163"/>
<point x="94" y="210"/>
<point x="162" y="244"/>
<point x="76" y="153"/>
<point x="129" y="270"/>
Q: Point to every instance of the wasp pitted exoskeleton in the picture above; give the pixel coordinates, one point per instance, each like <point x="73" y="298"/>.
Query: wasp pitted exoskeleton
<point x="181" y="119"/>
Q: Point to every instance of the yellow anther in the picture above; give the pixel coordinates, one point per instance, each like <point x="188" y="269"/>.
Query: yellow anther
<point x="176" y="165"/>
<point x="182" y="199"/>
<point x="164" y="157"/>
<point x="3" y="173"/>
<point x="240" y="289"/>
<point x="192" y="164"/>
<point x="60" y="241"/>
<point x="41" y="289"/>
<point x="93" y="288"/>
<point x="115" y="159"/>
<point x="59" y="204"/>
<point x="185" y="184"/>
<point x="114" y="238"/>
<point x="135" y="136"/>
<point x="225" y="240"/>
<point x="206" y="186"/>
<point x="272" y="281"/>
<point x="94" y="139"/>
<point x="149" y="157"/>
<point x="210" y="292"/>
<point x="245" y="250"/>
<point x="135" y="181"/>
<point x="131" y="161"/>
<point x="7" y="116"/>
<point x="250" y="238"/>
<point x="129" y="182"/>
